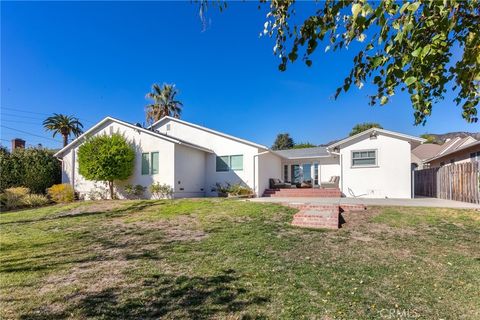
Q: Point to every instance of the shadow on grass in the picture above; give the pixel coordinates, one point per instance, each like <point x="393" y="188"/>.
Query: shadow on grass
<point x="162" y="295"/>
<point x="134" y="207"/>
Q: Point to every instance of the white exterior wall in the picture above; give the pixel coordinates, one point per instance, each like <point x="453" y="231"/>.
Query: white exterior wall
<point x="143" y="143"/>
<point x="390" y="178"/>
<point x="221" y="146"/>
<point x="329" y="167"/>
<point x="269" y="166"/>
<point x="189" y="172"/>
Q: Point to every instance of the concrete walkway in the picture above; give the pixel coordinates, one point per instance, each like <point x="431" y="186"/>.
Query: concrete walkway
<point x="417" y="202"/>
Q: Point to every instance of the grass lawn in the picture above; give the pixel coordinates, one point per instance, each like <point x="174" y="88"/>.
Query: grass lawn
<point x="232" y="259"/>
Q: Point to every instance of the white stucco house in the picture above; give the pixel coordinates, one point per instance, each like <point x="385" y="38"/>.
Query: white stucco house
<point x="192" y="159"/>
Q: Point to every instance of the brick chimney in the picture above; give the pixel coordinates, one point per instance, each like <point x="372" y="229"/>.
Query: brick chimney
<point x="18" y="143"/>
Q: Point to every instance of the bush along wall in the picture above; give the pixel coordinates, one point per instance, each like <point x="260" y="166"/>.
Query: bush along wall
<point x="34" y="168"/>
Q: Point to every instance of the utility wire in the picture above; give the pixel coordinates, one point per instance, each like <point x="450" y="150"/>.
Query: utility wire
<point x="36" y="118"/>
<point x="19" y="110"/>
<point x="25" y="132"/>
<point x="19" y="116"/>
<point x="22" y="122"/>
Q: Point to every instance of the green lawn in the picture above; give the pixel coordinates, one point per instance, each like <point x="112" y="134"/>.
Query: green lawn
<point x="233" y="259"/>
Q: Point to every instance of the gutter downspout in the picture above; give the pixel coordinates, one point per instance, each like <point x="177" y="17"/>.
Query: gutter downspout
<point x="254" y="171"/>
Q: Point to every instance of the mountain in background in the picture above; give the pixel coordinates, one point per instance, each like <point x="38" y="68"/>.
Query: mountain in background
<point x="442" y="137"/>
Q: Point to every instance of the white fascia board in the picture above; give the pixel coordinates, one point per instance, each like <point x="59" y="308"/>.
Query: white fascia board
<point x="211" y="131"/>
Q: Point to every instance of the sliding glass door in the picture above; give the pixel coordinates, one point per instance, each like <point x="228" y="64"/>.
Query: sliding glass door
<point x="306" y="172"/>
<point x="296" y="173"/>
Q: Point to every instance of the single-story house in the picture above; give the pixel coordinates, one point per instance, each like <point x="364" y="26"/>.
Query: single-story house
<point x="191" y="159"/>
<point x="464" y="150"/>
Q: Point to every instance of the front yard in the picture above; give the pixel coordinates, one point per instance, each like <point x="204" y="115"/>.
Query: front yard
<point x="232" y="259"/>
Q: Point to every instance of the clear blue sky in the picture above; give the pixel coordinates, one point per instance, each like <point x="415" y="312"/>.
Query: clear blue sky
<point x="92" y="60"/>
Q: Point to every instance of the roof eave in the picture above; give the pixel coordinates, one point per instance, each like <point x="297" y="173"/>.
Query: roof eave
<point x="401" y="135"/>
<point x="253" y="144"/>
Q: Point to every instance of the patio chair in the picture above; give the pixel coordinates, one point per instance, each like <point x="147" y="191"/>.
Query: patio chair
<point x="279" y="184"/>
<point x="332" y="183"/>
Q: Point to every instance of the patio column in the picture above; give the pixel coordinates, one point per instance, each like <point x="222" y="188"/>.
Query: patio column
<point x="312" y="173"/>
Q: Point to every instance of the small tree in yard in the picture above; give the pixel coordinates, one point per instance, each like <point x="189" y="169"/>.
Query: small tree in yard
<point x="106" y="158"/>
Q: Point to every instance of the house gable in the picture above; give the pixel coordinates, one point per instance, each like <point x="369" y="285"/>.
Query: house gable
<point x="372" y="133"/>
<point x="166" y="126"/>
<point x="121" y="124"/>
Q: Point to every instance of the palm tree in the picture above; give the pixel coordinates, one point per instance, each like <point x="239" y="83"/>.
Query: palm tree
<point x="164" y="103"/>
<point x="63" y="124"/>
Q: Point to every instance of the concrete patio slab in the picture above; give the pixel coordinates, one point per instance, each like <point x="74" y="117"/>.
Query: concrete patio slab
<point x="417" y="202"/>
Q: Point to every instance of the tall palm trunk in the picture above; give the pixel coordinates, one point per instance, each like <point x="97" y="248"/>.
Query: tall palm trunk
<point x="65" y="140"/>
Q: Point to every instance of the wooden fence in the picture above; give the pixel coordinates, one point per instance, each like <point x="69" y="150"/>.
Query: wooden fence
<point x="453" y="182"/>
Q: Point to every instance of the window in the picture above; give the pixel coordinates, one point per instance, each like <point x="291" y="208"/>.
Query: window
<point x="227" y="163"/>
<point x="475" y="156"/>
<point x="154" y="162"/>
<point x="222" y="163"/>
<point x="285" y="173"/>
<point x="145" y="163"/>
<point x="236" y="162"/>
<point x="150" y="163"/>
<point x="364" y="158"/>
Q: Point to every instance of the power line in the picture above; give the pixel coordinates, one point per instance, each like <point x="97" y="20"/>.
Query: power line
<point x="28" y="133"/>
<point x="19" y="110"/>
<point x="39" y="113"/>
<point x="19" y="116"/>
<point x="17" y="121"/>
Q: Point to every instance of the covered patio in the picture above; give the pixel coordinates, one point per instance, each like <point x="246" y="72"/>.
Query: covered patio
<point x="310" y="172"/>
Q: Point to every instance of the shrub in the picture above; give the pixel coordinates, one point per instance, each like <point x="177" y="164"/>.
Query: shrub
<point x="35" y="200"/>
<point x="12" y="198"/>
<point x="160" y="191"/>
<point x="134" y="191"/>
<point x="17" y="191"/>
<point x="106" y="158"/>
<point x="61" y="193"/>
<point x="232" y="190"/>
<point x="222" y="189"/>
<point x="35" y="168"/>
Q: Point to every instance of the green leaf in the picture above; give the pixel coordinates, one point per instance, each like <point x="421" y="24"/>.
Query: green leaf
<point x="413" y="6"/>
<point x="356" y="8"/>
<point x="417" y="52"/>
<point x="404" y="7"/>
<point x="410" y="80"/>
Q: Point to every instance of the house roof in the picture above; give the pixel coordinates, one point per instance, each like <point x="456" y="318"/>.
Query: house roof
<point x="426" y="150"/>
<point x="316" y="152"/>
<point x="458" y="149"/>
<point x="210" y="131"/>
<point x="369" y="131"/>
<point x="150" y="132"/>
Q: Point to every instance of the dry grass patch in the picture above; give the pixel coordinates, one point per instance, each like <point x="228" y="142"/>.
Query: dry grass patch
<point x="222" y="259"/>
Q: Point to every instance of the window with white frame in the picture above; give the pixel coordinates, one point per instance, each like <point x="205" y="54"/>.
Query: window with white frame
<point x="229" y="163"/>
<point x="364" y="158"/>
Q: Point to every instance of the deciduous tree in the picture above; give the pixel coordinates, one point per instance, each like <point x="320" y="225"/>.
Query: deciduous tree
<point x="106" y="158"/>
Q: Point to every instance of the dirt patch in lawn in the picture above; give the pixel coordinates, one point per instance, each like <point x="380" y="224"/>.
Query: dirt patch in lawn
<point x="180" y="228"/>
<point x="85" y="276"/>
<point x="98" y="206"/>
<point x="361" y="222"/>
